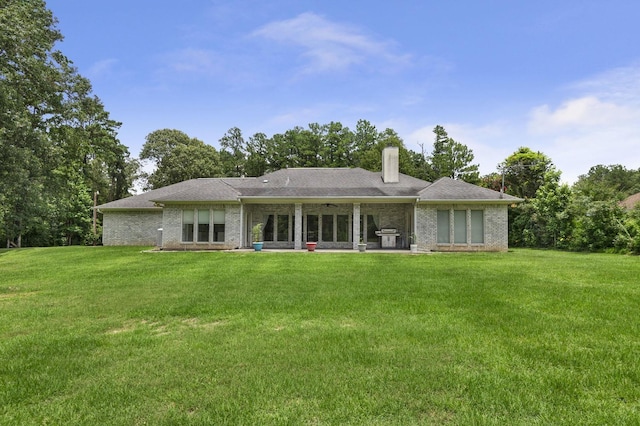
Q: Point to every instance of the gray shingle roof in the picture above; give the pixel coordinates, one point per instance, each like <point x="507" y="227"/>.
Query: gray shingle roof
<point x="630" y="202"/>
<point x="449" y="189"/>
<point x="205" y="189"/>
<point x="308" y="183"/>
<point x="324" y="182"/>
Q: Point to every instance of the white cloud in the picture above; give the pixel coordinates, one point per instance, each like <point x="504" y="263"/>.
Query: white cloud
<point x="621" y="85"/>
<point x="600" y="126"/>
<point x="192" y="60"/>
<point x="581" y="115"/>
<point x="329" y="46"/>
<point x="102" y="68"/>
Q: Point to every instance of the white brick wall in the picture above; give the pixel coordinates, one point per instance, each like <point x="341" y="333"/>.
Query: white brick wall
<point x="495" y="228"/>
<point x="141" y="227"/>
<point x="172" y="228"/>
<point x="130" y="228"/>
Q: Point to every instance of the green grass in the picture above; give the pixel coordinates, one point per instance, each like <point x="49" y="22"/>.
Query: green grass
<point x="96" y="335"/>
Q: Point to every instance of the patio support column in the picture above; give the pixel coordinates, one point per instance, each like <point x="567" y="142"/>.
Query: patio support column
<point x="356" y="225"/>
<point x="297" y="233"/>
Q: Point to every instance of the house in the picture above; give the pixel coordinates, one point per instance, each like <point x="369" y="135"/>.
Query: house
<point x="631" y="201"/>
<point x="336" y="207"/>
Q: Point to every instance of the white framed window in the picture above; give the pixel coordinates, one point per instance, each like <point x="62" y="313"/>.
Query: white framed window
<point x="187" y="226"/>
<point x="459" y="226"/>
<point x="203" y="226"/>
<point x="477" y="227"/>
<point x="283" y="231"/>
<point x="343" y="230"/>
<point x="218" y="226"/>
<point x="443" y="236"/>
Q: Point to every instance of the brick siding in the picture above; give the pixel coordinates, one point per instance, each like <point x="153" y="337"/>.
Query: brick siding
<point x="495" y="228"/>
<point x="131" y="228"/>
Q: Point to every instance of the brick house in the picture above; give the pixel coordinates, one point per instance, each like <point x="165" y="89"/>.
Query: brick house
<point x="335" y="207"/>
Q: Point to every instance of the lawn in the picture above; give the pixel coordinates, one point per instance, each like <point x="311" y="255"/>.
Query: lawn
<point x="98" y="335"/>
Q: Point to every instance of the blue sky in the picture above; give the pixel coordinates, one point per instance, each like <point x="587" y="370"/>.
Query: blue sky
<point x="561" y="77"/>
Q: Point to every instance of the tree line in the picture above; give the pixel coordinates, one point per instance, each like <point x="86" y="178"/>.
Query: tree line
<point x="58" y="145"/>
<point x="177" y="156"/>
<point x="59" y="151"/>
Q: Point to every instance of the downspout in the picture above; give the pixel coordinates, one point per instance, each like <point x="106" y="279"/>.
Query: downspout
<point x="242" y="225"/>
<point x="415" y="220"/>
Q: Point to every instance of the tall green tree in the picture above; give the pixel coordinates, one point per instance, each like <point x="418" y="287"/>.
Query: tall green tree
<point x="451" y="159"/>
<point x="178" y="157"/>
<point x="233" y="153"/>
<point x="57" y="143"/>
<point x="525" y="171"/>
<point x="257" y="163"/>
<point x="30" y="89"/>
<point x="604" y="183"/>
<point x="552" y="219"/>
<point x="338" y="145"/>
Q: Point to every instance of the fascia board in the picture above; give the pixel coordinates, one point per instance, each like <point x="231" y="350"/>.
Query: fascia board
<point x="470" y="201"/>
<point x="316" y="200"/>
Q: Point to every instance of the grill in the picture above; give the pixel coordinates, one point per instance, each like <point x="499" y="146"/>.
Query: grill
<point x="388" y="237"/>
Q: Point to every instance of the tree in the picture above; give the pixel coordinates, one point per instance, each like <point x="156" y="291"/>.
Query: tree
<point x="257" y="164"/>
<point x="338" y="145"/>
<point x="525" y="171"/>
<point x="546" y="220"/>
<point x="233" y="153"/>
<point x="178" y="157"/>
<point x="598" y="224"/>
<point x="603" y="183"/>
<point x="451" y="159"/>
<point x="30" y="80"/>
<point x="365" y="139"/>
<point x="160" y="143"/>
<point x="57" y="144"/>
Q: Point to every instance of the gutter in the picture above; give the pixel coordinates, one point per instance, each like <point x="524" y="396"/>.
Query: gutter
<point x="472" y="201"/>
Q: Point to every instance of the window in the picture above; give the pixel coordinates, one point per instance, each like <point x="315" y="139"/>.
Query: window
<point x="459" y="226"/>
<point x="283" y="227"/>
<point x="465" y="222"/>
<point x="203" y="226"/>
<point x="187" y="226"/>
<point x="218" y="226"/>
<point x="443" y="227"/>
<point x="268" y="228"/>
<point x="327" y="227"/>
<point x="343" y="228"/>
<point x="312" y="227"/>
<point x="477" y="227"/>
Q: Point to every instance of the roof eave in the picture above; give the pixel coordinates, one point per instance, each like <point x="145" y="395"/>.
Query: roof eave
<point x="128" y="209"/>
<point x="322" y="200"/>
<point x="235" y="200"/>
<point x="471" y="201"/>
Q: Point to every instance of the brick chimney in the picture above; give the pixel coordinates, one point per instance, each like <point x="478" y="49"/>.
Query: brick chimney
<point x="390" y="164"/>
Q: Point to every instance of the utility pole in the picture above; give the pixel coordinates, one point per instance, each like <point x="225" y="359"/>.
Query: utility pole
<point x="95" y="216"/>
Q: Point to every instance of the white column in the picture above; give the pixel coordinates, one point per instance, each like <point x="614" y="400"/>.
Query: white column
<point x="356" y="225"/>
<point x="298" y="228"/>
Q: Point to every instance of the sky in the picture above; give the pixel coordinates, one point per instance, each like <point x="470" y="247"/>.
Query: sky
<point x="559" y="77"/>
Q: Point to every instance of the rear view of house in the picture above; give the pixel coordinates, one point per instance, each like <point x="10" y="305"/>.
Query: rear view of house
<point x="335" y="207"/>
